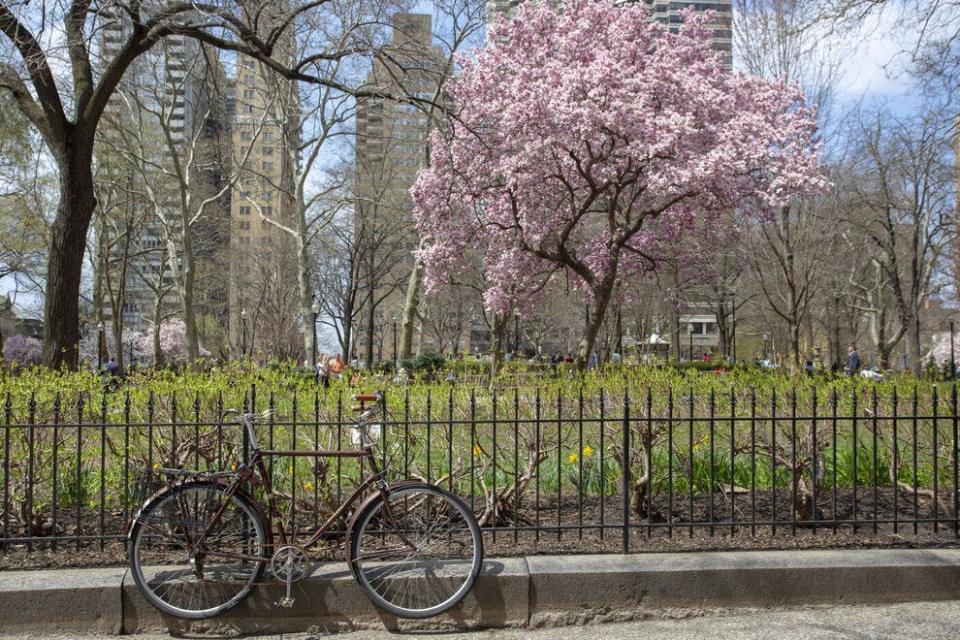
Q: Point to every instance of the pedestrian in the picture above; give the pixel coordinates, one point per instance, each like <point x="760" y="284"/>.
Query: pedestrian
<point x="323" y="373"/>
<point x="615" y="357"/>
<point x="593" y="360"/>
<point x="808" y="367"/>
<point x="335" y="367"/>
<point x="568" y="358"/>
<point x="111" y="368"/>
<point x="853" y="360"/>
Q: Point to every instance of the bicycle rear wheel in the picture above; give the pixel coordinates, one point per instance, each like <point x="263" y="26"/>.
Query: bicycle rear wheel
<point x="188" y="579"/>
<point x="418" y="553"/>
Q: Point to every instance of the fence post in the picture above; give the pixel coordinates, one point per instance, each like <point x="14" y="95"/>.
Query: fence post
<point x="626" y="471"/>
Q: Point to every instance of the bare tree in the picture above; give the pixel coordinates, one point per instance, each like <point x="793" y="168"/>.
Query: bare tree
<point x="903" y="190"/>
<point x="66" y="106"/>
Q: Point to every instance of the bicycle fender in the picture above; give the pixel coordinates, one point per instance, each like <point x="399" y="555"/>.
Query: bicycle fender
<point x="396" y="486"/>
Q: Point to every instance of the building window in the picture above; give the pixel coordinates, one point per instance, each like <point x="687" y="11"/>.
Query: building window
<point x="248" y="108"/>
<point x="268" y="166"/>
<point x="268" y="135"/>
<point x="246" y="135"/>
<point x="249" y="93"/>
<point x="245" y="211"/>
<point x="249" y="78"/>
<point x="244" y="224"/>
<point x="268" y="151"/>
<point x="267" y="195"/>
<point x="268" y="211"/>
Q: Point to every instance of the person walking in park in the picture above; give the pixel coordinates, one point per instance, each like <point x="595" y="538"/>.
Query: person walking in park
<point x="853" y="360"/>
<point x="335" y="367"/>
<point x="323" y="373"/>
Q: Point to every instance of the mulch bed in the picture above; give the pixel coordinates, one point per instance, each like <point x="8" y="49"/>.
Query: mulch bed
<point x="572" y="525"/>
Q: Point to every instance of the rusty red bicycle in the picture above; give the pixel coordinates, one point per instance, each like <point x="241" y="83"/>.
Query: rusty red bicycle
<point x="199" y="545"/>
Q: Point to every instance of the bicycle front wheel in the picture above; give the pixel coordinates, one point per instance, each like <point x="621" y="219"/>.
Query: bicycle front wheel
<point x="189" y="577"/>
<point x="417" y="553"/>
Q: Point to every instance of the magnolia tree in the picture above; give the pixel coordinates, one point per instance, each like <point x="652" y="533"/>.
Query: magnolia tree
<point x="173" y="344"/>
<point x="22" y="350"/>
<point x="589" y="142"/>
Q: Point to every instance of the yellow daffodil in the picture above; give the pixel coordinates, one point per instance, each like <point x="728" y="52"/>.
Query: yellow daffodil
<point x="587" y="451"/>
<point x="308" y="486"/>
<point x="477" y="450"/>
<point x="572" y="458"/>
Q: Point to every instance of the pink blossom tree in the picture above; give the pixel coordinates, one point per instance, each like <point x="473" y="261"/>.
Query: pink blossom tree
<point x="590" y="141"/>
<point x="173" y="344"/>
<point x="22" y="350"/>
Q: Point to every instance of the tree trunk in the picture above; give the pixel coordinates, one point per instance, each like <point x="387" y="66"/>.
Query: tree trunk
<point x="371" y="321"/>
<point x="157" y="319"/>
<point x="795" y="344"/>
<point x="68" y="240"/>
<point x="601" y="300"/>
<point x="411" y="305"/>
<point x="306" y="300"/>
<point x="913" y="345"/>
<point x="498" y="333"/>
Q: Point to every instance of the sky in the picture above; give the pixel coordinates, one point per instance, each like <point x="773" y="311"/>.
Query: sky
<point x="874" y="70"/>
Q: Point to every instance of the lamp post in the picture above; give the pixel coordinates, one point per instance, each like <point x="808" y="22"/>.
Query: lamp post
<point x="516" y="331"/>
<point x="396" y="362"/>
<point x="690" y="335"/>
<point x="99" y="346"/>
<point x="315" y="308"/>
<point x="243" y="333"/>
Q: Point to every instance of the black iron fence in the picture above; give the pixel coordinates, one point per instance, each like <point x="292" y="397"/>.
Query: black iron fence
<point x="633" y="470"/>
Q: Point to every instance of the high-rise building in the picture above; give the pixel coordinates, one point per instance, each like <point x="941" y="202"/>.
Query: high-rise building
<point x="261" y="258"/>
<point x="391" y="147"/>
<point x="169" y="99"/>
<point x="668" y="12"/>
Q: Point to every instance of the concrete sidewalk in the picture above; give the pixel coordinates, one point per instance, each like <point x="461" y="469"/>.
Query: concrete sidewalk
<point x="512" y="592"/>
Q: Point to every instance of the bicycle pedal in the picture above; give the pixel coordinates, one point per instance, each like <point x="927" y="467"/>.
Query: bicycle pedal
<point x="286" y="603"/>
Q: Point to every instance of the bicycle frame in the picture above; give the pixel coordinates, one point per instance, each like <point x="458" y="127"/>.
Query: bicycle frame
<point x="255" y="473"/>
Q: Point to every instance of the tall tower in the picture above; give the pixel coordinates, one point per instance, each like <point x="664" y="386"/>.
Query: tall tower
<point x="391" y="138"/>
<point x="176" y="82"/>
<point x="261" y="261"/>
<point x="668" y="12"/>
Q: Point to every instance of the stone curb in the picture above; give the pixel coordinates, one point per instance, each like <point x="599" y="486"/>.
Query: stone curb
<point x="511" y="592"/>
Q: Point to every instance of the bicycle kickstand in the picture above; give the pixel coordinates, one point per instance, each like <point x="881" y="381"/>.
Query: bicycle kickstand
<point x="287" y="601"/>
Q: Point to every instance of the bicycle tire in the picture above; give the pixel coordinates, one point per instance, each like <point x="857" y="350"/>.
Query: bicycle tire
<point x="161" y="532"/>
<point x="420" y="510"/>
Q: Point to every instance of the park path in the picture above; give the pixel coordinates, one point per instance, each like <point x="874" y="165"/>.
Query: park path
<point x="910" y="621"/>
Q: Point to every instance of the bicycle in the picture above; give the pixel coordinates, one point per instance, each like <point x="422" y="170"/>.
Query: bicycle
<point x="199" y="545"/>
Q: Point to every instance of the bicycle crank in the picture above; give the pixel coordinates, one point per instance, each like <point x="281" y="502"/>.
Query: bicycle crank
<point x="289" y="565"/>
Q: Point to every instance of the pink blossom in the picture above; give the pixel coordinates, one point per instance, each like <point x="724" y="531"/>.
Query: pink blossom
<point x="593" y="141"/>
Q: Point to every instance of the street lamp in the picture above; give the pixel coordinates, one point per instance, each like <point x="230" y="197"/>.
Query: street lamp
<point x="516" y="331"/>
<point x="690" y="334"/>
<point x="99" y="346"/>
<point x="243" y="333"/>
<point x="396" y="362"/>
<point x="315" y="308"/>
